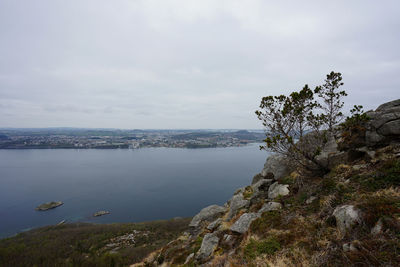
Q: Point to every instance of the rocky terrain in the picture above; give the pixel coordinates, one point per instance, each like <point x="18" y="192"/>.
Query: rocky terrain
<point x="346" y="217"/>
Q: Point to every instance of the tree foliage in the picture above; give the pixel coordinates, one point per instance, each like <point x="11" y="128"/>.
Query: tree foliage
<point x="288" y="118"/>
<point x="332" y="99"/>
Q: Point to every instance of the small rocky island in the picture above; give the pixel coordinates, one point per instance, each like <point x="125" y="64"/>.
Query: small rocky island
<point x="101" y="213"/>
<point x="49" y="205"/>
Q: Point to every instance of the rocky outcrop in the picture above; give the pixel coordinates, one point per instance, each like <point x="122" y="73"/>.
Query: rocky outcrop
<point x="208" y="214"/>
<point x="209" y="244"/>
<point x="346" y="217"/>
<point x="278" y="166"/>
<point x="49" y="205"/>
<point x="384" y="125"/>
<point x="277" y="189"/>
<point x="243" y="223"/>
<point x="101" y="213"/>
<point x="260" y="189"/>
<point x="212" y="226"/>
<point x="236" y="203"/>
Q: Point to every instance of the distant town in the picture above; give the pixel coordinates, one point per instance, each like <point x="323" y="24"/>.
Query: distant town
<point x="46" y="138"/>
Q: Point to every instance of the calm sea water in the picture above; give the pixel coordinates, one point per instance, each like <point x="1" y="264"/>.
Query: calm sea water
<point x="134" y="185"/>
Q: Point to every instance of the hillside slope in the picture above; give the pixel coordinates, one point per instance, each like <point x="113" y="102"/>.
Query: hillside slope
<point x="347" y="217"/>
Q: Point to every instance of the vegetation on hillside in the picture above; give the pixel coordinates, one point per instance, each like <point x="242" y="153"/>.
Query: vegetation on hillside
<point x="85" y="244"/>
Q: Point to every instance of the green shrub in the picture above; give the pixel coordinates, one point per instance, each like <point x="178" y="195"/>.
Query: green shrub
<point x="386" y="176"/>
<point x="248" y="192"/>
<point x="267" y="221"/>
<point x="255" y="248"/>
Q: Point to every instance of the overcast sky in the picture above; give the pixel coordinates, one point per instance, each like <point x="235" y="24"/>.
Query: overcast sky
<point x="186" y="64"/>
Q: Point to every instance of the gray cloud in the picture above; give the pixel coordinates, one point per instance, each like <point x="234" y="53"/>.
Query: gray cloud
<point x="186" y="64"/>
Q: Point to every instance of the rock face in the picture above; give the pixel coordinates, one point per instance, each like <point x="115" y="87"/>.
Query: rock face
<point x="49" y="205"/>
<point x="237" y="202"/>
<point x="214" y="224"/>
<point x="209" y="214"/>
<point x="260" y="189"/>
<point x="209" y="244"/>
<point x="278" y="165"/>
<point x="276" y="190"/>
<point x="384" y="126"/>
<point x="243" y="223"/>
<point x="346" y="217"/>
<point x="270" y="206"/>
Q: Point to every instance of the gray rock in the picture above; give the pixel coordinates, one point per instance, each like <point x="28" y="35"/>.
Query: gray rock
<point x="372" y="137"/>
<point x="371" y="153"/>
<point x="214" y="224"/>
<point x="209" y="213"/>
<point x="382" y="118"/>
<point x="388" y="105"/>
<point x="260" y="189"/>
<point x="189" y="258"/>
<point x="257" y="178"/>
<point x="390" y="128"/>
<point x="384" y="126"/>
<point x="346" y="217"/>
<point x="243" y="223"/>
<point x="278" y="165"/>
<point x="270" y="206"/>
<point x="209" y="244"/>
<point x="311" y="199"/>
<point x="378" y="228"/>
<point x="277" y="189"/>
<point x="349" y="247"/>
<point x="237" y="202"/>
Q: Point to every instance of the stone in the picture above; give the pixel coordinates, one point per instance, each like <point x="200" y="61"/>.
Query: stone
<point x="346" y="217"/>
<point x="277" y="189"/>
<point x="383" y="127"/>
<point x="260" y="189"/>
<point x="270" y="206"/>
<point x="390" y="128"/>
<point x="378" y="228"/>
<point x="278" y="165"/>
<point x="189" y="258"/>
<point x="311" y="199"/>
<point x="209" y="244"/>
<point x="209" y="213"/>
<point x="388" y="105"/>
<point x="243" y="223"/>
<point x="347" y="247"/>
<point x="212" y="226"/>
<point x="257" y="178"/>
<point x="237" y="202"/>
<point x="372" y="137"/>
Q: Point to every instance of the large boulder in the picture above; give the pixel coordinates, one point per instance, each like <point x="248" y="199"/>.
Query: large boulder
<point x="346" y="217"/>
<point x="208" y="214"/>
<point x="236" y="203"/>
<point x="278" y="165"/>
<point x="277" y="189"/>
<point x="209" y="244"/>
<point x="243" y="223"/>
<point x="384" y="124"/>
